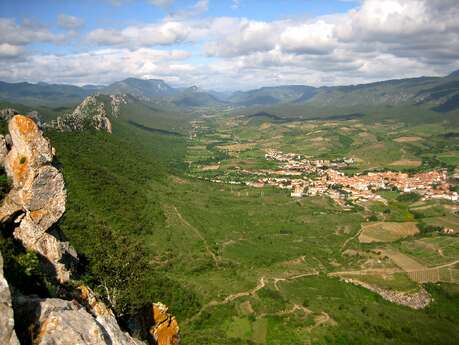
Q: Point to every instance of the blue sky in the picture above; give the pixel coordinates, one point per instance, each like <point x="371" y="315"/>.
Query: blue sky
<point x="227" y="44"/>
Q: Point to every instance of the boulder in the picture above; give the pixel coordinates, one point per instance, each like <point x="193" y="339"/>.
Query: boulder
<point x="7" y="333"/>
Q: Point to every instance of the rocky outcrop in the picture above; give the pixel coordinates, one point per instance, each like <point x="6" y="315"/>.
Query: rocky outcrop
<point x="165" y="330"/>
<point x="93" y="112"/>
<point x="37" y="198"/>
<point x="55" y="321"/>
<point x="7" y="333"/>
<point x="7" y="114"/>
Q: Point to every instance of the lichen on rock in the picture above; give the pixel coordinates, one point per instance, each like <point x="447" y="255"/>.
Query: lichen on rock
<point x="37" y="198"/>
<point x="165" y="330"/>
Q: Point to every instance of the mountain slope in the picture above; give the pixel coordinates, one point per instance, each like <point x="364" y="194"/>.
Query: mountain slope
<point x="54" y="95"/>
<point x="142" y="89"/>
<point x="273" y="95"/>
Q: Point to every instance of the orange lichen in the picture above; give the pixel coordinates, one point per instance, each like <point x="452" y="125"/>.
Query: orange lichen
<point x="37" y="215"/>
<point x="25" y="125"/>
<point x="20" y="169"/>
<point x="166" y="329"/>
<point x="88" y="298"/>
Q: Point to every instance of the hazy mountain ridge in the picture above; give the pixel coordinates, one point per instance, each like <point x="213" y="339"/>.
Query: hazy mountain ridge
<point x="439" y="93"/>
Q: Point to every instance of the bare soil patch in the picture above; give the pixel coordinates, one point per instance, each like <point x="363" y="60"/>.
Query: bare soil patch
<point x="386" y="231"/>
<point x="407" y="139"/>
<point x="406" y="163"/>
<point x="403" y="261"/>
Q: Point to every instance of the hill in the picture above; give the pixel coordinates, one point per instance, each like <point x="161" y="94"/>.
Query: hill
<point x="54" y="95"/>
<point x="273" y="95"/>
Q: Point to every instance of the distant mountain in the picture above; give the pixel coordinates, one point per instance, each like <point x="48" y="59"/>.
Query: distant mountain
<point x="432" y="92"/>
<point x="142" y="89"/>
<point x="155" y="90"/>
<point x="454" y="74"/>
<point x="42" y="94"/>
<point x="273" y="95"/>
<point x="195" y="97"/>
<point x="440" y="94"/>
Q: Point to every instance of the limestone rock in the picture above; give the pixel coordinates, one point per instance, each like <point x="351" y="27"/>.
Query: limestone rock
<point x="37" y="199"/>
<point x="55" y="321"/>
<point x="165" y="329"/>
<point x="3" y="149"/>
<point x="105" y="317"/>
<point x="7" y="333"/>
<point x="93" y="112"/>
<point x="7" y="113"/>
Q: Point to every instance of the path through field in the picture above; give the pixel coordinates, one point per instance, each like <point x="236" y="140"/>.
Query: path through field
<point x="198" y="233"/>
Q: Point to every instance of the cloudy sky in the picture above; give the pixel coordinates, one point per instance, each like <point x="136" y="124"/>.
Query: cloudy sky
<point x="227" y="44"/>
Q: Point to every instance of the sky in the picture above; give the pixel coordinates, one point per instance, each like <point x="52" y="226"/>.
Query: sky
<point x="227" y="45"/>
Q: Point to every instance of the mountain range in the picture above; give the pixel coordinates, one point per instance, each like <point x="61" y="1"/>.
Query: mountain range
<point x="440" y="94"/>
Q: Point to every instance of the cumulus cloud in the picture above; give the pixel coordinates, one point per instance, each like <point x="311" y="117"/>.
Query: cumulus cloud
<point x="165" y="33"/>
<point x="100" y="66"/>
<point x="26" y="33"/>
<point x="9" y="51"/>
<point x="69" y="22"/>
<point x="241" y="36"/>
<point x="315" y="38"/>
<point x="199" y="8"/>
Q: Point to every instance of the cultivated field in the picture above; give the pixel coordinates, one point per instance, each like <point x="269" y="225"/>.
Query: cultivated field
<point x="386" y="231"/>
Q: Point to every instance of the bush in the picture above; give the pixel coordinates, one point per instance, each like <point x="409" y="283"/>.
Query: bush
<point x="408" y="197"/>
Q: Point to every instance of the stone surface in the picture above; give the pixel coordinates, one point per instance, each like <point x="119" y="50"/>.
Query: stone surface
<point x="105" y="317"/>
<point x="3" y="149"/>
<point x="55" y="321"/>
<point x="165" y="329"/>
<point x="93" y="112"/>
<point x="7" y="113"/>
<point x="7" y="333"/>
<point x="37" y="198"/>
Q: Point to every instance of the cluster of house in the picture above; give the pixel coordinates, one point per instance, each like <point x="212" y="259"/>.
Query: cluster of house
<point x="329" y="181"/>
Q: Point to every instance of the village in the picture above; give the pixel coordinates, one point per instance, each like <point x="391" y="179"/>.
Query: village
<point x="305" y="177"/>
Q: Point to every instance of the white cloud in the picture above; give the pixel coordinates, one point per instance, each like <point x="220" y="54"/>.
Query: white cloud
<point x="161" y="3"/>
<point x="199" y="8"/>
<point x="8" y="50"/>
<point x="235" y="4"/>
<point x="240" y="36"/>
<point x="314" y="38"/>
<point x="101" y="66"/>
<point x="26" y="33"/>
<point x="166" y="33"/>
<point x="69" y="22"/>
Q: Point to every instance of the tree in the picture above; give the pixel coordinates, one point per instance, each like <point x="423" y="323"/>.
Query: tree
<point x="118" y="265"/>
